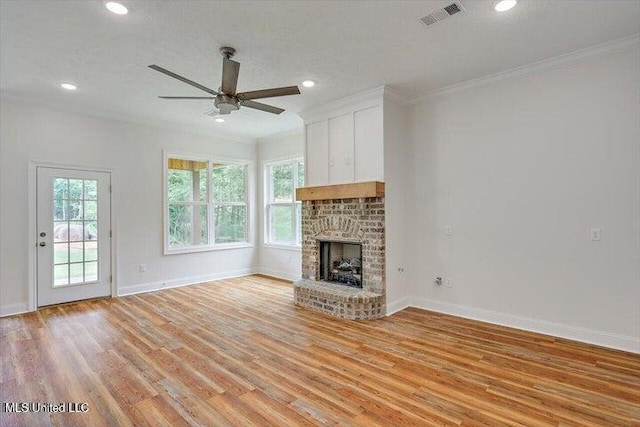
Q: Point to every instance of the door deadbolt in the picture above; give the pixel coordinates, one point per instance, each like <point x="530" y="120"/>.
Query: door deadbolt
<point x="43" y="244"/>
<point x="42" y="234"/>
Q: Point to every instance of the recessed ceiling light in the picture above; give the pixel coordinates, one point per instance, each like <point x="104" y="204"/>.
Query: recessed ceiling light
<point x="505" y="5"/>
<point x="117" y="8"/>
<point x="219" y="119"/>
<point x="308" y="83"/>
<point x="68" y="86"/>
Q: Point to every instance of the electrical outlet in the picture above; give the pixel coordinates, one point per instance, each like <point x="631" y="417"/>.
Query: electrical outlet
<point x="142" y="268"/>
<point x="438" y="281"/>
<point x="401" y="269"/>
<point x="448" y="283"/>
<point x="595" y="234"/>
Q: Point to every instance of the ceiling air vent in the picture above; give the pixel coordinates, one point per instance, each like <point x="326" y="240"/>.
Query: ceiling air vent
<point x="442" y="13"/>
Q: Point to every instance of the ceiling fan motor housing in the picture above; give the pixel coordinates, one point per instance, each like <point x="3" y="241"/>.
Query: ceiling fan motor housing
<point x="226" y="104"/>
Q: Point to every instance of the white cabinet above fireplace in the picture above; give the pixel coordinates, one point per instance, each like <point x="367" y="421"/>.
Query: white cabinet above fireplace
<point x="344" y="141"/>
<point x="316" y="159"/>
<point x="368" y="144"/>
<point x="341" y="149"/>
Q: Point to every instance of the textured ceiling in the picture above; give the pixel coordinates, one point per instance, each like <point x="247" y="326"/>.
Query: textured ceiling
<point x="347" y="47"/>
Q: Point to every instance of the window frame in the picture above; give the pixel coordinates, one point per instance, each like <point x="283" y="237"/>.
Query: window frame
<point x="211" y="205"/>
<point x="268" y="202"/>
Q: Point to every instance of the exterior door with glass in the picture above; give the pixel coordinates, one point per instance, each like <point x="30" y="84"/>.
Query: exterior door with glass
<point x="74" y="244"/>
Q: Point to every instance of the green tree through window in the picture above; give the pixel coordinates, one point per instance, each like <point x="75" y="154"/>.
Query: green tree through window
<point x="229" y="200"/>
<point x="283" y="211"/>
<point x="206" y="203"/>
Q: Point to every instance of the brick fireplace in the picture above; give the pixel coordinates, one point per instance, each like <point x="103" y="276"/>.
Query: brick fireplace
<point x="344" y="216"/>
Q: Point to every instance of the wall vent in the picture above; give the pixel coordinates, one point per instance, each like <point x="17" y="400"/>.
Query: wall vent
<point x="442" y="13"/>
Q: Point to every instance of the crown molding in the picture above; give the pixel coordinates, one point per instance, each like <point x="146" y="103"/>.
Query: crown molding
<point x="395" y="95"/>
<point x="580" y="55"/>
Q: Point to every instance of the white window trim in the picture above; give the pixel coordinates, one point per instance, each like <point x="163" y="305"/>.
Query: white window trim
<point x="166" y="155"/>
<point x="266" y="166"/>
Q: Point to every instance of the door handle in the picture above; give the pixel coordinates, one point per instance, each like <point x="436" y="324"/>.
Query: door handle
<point x="43" y="244"/>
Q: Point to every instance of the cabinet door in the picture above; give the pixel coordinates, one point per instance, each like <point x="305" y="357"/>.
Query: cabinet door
<point x="341" y="149"/>
<point x="316" y="165"/>
<point x="369" y="145"/>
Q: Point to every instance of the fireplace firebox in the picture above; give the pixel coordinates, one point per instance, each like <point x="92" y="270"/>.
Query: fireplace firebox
<point x="341" y="262"/>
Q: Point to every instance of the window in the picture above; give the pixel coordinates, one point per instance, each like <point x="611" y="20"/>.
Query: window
<point x="206" y="204"/>
<point x="283" y="213"/>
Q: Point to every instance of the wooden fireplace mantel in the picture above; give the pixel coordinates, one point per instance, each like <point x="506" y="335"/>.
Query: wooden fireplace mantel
<point x="341" y="191"/>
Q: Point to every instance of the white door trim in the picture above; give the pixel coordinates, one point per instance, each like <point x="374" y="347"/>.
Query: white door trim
<point x="32" y="227"/>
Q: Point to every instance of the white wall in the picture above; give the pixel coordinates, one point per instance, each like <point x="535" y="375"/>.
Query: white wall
<point x="522" y="169"/>
<point x="398" y="193"/>
<point x="283" y="262"/>
<point x="30" y="132"/>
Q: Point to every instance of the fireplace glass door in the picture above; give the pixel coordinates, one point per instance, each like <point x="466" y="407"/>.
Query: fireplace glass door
<point x="341" y="263"/>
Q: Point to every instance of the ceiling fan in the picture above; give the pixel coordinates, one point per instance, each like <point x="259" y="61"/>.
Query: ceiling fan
<point x="227" y="100"/>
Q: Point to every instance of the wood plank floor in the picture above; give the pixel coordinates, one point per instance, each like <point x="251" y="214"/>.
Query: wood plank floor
<point x="238" y="352"/>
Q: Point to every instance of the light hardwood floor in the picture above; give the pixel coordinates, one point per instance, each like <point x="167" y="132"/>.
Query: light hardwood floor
<point x="238" y="352"/>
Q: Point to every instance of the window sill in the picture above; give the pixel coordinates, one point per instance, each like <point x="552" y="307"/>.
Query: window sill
<point x="296" y="248"/>
<point x="219" y="247"/>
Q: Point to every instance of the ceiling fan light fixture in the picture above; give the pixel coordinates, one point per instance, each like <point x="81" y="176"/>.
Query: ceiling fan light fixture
<point x="219" y="119"/>
<point x="226" y="104"/>
<point x="308" y="83"/>
<point x="504" y="5"/>
<point x="117" y="8"/>
<point x="68" y="86"/>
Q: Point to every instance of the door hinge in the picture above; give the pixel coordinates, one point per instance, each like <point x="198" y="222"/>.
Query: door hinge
<point x="110" y="187"/>
<point x="110" y="233"/>
<point x="110" y="279"/>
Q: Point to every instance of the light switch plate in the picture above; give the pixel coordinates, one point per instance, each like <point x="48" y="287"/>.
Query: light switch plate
<point x="596" y="234"/>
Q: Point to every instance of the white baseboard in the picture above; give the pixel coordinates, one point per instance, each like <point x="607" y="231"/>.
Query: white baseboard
<point x="278" y="274"/>
<point x="590" y="336"/>
<point x="11" y="309"/>
<point x="398" y="305"/>
<point x="176" y="283"/>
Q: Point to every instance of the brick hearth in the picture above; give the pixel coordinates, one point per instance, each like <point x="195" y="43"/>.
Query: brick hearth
<point x="339" y="300"/>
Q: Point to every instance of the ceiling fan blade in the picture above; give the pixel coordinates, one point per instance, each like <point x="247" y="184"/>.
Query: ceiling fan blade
<point x="182" y="79"/>
<point x="262" y="107"/>
<point x="269" y="93"/>
<point x="187" y="97"/>
<point x="213" y="112"/>
<point x="230" y="70"/>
